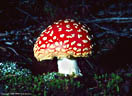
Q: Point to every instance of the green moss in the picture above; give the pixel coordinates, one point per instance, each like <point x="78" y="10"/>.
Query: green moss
<point x="52" y="84"/>
<point x="43" y="84"/>
<point x="10" y="68"/>
<point x="109" y="83"/>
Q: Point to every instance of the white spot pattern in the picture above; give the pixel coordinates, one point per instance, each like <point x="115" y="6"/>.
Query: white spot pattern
<point x="48" y="45"/>
<point x="85" y="49"/>
<point x="73" y="35"/>
<point x="66" y="21"/>
<point x="78" y="50"/>
<point x="88" y="37"/>
<point x="56" y="43"/>
<point x="60" y="42"/>
<point x="72" y="20"/>
<point x="72" y="43"/>
<point x="59" y="29"/>
<point x="50" y="40"/>
<point x="78" y="30"/>
<point x="44" y="38"/>
<point x="58" y="48"/>
<point x="67" y="45"/>
<point x="79" y="44"/>
<point x="66" y="41"/>
<point x="54" y="37"/>
<point x="69" y="30"/>
<point x="69" y="36"/>
<point x="75" y="24"/>
<point x="52" y="46"/>
<point x="75" y="48"/>
<point x="85" y="41"/>
<point x="50" y="28"/>
<point x="51" y="33"/>
<point x="62" y="35"/>
<point x="43" y="45"/>
<point x="79" y="35"/>
<point x="68" y="26"/>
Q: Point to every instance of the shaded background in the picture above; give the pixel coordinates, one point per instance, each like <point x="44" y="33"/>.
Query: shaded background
<point x="22" y="21"/>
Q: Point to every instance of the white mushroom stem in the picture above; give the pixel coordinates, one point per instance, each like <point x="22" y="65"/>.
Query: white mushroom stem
<point x="68" y="67"/>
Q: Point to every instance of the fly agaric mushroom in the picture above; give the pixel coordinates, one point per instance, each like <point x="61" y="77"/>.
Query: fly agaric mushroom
<point x="64" y="39"/>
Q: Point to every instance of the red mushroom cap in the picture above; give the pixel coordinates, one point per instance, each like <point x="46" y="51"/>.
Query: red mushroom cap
<point x="64" y="38"/>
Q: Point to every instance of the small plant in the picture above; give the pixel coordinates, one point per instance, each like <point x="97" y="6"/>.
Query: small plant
<point x="108" y="83"/>
<point x="10" y="68"/>
<point x="48" y="85"/>
<point x="52" y="84"/>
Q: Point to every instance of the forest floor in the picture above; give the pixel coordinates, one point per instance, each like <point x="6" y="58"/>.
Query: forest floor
<point x="21" y="22"/>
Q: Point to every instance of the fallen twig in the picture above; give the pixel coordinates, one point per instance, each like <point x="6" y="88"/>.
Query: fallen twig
<point x="111" y="31"/>
<point x="89" y="63"/>
<point x="13" y="50"/>
<point x="26" y="13"/>
<point x="108" y="20"/>
<point x="3" y="34"/>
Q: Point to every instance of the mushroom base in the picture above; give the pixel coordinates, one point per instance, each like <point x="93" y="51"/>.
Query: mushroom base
<point x="68" y="67"/>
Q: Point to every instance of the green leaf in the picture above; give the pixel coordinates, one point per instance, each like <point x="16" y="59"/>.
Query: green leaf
<point x="117" y="89"/>
<point x="35" y="86"/>
<point x="99" y="77"/>
<point x="129" y="75"/>
<point x="102" y="76"/>
<point x="108" y="85"/>
<point x="113" y="75"/>
<point x="95" y="76"/>
<point x="106" y="75"/>
<point x="45" y="93"/>
<point x="78" y="84"/>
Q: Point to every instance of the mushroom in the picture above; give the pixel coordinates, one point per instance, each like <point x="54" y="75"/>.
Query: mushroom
<point x="66" y="40"/>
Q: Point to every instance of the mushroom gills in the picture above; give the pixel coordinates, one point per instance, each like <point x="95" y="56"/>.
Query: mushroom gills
<point x="68" y="67"/>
